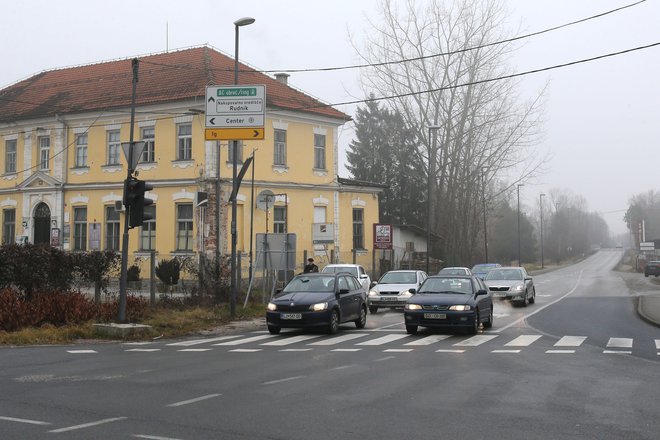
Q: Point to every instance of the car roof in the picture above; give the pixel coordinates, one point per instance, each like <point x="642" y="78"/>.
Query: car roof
<point x="453" y="276"/>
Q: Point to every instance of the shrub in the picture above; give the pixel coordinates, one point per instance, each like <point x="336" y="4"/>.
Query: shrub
<point x="169" y="271"/>
<point x="133" y="273"/>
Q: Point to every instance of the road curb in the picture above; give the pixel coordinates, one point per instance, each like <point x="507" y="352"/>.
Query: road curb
<point x="642" y="312"/>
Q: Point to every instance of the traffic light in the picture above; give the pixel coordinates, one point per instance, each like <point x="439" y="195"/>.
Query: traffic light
<point x="134" y="201"/>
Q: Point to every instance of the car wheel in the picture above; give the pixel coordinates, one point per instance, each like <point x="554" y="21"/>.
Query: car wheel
<point x="411" y="329"/>
<point x="474" y="328"/>
<point x="274" y="330"/>
<point x="489" y="323"/>
<point x="525" y="301"/>
<point x="333" y="323"/>
<point x="532" y="300"/>
<point x="373" y="310"/>
<point x="362" y="320"/>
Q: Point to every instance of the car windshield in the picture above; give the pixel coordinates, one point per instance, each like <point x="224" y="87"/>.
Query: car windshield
<point x="303" y="283"/>
<point x="460" y="286"/>
<point x="339" y="269"/>
<point x="398" y="278"/>
<point x="452" y="271"/>
<point x="505" y="274"/>
<point x="482" y="268"/>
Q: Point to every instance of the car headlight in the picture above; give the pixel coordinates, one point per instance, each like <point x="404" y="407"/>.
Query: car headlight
<point x="318" y="306"/>
<point x="373" y="293"/>
<point x="272" y="307"/>
<point x="405" y="293"/>
<point x="413" y="307"/>
<point x="460" y="308"/>
<point x="518" y="288"/>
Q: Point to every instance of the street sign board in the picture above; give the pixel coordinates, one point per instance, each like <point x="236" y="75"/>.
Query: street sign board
<point x="138" y="148"/>
<point x="235" y="108"/>
<point x="382" y="236"/>
<point x="647" y="246"/>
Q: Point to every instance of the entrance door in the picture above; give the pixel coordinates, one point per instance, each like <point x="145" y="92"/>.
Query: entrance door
<point x="42" y="224"/>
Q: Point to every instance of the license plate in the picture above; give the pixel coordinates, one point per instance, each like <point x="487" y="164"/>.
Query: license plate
<point x="388" y="298"/>
<point x="290" y="315"/>
<point x="435" y="316"/>
<point x="501" y="295"/>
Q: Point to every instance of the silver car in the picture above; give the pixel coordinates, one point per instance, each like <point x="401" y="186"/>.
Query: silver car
<point x="512" y="283"/>
<point x="393" y="289"/>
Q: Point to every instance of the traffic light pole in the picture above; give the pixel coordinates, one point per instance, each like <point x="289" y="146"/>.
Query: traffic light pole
<point x="121" y="316"/>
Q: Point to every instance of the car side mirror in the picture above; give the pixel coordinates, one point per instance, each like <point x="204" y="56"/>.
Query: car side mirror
<point x="373" y="283"/>
<point x="344" y="291"/>
<point x="278" y="290"/>
<point x="413" y="291"/>
<point x="482" y="292"/>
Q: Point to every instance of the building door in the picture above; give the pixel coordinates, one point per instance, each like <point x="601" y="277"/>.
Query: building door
<point x="42" y="224"/>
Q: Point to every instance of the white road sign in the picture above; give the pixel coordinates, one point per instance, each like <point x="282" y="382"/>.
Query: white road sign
<point x="235" y="106"/>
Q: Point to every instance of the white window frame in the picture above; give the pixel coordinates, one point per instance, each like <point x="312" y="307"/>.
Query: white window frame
<point x="44" y="153"/>
<point x="114" y="147"/>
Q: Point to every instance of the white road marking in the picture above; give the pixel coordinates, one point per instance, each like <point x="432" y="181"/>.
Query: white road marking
<point x="145" y="350"/>
<point x="88" y="425"/>
<point x="386" y="327"/>
<point x="292" y="340"/>
<point x="387" y="358"/>
<point x="195" y="400"/>
<point x="443" y="350"/>
<point x="196" y="350"/>
<point x="560" y="351"/>
<point x="154" y="437"/>
<point x="138" y="343"/>
<point x="339" y="339"/>
<point x="620" y="343"/>
<point x="81" y="351"/>
<point x="543" y="296"/>
<point x="428" y="340"/>
<point x="248" y="340"/>
<point x="398" y="350"/>
<point x="347" y="349"/>
<point x="271" y="382"/>
<point x="382" y="340"/>
<point x="505" y="351"/>
<point x="245" y="350"/>
<point x="202" y="341"/>
<point x="518" y="321"/>
<point x="500" y="315"/>
<point x="297" y="349"/>
<point x="616" y="352"/>
<point x="570" y="341"/>
<point x="657" y="344"/>
<point x="29" y="422"/>
<point x="475" y="341"/>
<point x="523" y="341"/>
<point x="342" y="367"/>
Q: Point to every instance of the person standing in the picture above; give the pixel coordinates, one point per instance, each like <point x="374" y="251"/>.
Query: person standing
<point x="310" y="266"/>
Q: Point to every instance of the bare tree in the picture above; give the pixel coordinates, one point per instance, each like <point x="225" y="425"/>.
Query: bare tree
<point x="484" y="132"/>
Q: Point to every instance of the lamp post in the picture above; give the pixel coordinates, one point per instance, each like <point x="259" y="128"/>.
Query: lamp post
<point x="429" y="191"/>
<point x="518" y="188"/>
<point x="483" y="189"/>
<point x="232" y="301"/>
<point x="541" y="211"/>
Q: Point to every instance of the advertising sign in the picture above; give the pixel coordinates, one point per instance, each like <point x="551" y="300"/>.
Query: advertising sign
<point x="382" y="236"/>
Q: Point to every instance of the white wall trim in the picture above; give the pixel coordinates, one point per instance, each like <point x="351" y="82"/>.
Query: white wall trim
<point x="280" y="125"/>
<point x="183" y="195"/>
<point x="113" y="127"/>
<point x="321" y="201"/>
<point x="79" y="199"/>
<point x="183" y="119"/>
<point x="321" y="130"/>
<point x="8" y="202"/>
<point x="358" y="202"/>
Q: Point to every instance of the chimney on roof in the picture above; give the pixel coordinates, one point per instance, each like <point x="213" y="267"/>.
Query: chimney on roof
<point x="283" y="78"/>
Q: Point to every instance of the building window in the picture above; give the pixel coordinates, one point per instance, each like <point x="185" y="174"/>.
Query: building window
<point x="81" y="150"/>
<point x="44" y="153"/>
<point x="10" y="156"/>
<point x="80" y="229"/>
<point x="319" y="151"/>
<point x="280" y="147"/>
<point x="111" y="228"/>
<point x="8" y="226"/>
<point x="148" y="230"/>
<point x="114" y="147"/>
<point x="148" y="137"/>
<point x="184" y="133"/>
<point x="184" y="227"/>
<point x="239" y="152"/>
<point x="279" y="219"/>
<point x="358" y="228"/>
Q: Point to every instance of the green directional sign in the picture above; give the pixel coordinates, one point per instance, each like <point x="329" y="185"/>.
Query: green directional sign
<point x="238" y="91"/>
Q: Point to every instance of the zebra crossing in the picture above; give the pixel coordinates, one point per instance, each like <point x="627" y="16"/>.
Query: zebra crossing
<point x="394" y="342"/>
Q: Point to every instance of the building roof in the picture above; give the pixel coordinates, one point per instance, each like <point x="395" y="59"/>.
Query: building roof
<point x="164" y="77"/>
<point x="353" y="182"/>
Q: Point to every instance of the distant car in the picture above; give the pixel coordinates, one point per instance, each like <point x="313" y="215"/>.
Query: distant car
<point x="512" y="283"/>
<point x="481" y="270"/>
<point x="393" y="288"/>
<point x="354" y="269"/>
<point x="652" y="268"/>
<point x="318" y="300"/>
<point x="455" y="271"/>
<point x="450" y="302"/>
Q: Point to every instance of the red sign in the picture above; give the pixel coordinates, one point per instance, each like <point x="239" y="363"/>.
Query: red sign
<point x="382" y="236"/>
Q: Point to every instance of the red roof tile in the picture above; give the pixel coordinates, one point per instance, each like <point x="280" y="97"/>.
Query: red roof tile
<point x="165" y="77"/>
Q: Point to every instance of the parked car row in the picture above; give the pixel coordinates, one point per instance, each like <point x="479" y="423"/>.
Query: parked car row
<point x="452" y="299"/>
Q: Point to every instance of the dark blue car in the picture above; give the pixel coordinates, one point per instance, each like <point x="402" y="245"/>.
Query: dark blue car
<point x="318" y="300"/>
<point x="450" y="302"/>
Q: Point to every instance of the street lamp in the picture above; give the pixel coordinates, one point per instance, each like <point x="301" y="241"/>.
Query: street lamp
<point x="232" y="301"/>
<point x="483" y="194"/>
<point x="541" y="210"/>
<point x="429" y="190"/>
<point x="518" y="188"/>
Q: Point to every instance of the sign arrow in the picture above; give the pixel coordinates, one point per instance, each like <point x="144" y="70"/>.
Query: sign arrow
<point x="211" y="99"/>
<point x="256" y="133"/>
<point x="212" y="121"/>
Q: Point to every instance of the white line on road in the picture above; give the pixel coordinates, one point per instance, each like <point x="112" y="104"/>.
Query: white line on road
<point x="297" y="349"/>
<point x="248" y="340"/>
<point x="195" y="350"/>
<point x="154" y="437"/>
<point x="475" y="340"/>
<point x="387" y="326"/>
<point x="342" y="367"/>
<point x="339" y="339"/>
<point x="202" y="341"/>
<point x="523" y="341"/>
<point x="444" y="350"/>
<point x="570" y="341"/>
<point x="88" y="425"/>
<point x="506" y="351"/>
<point x="195" y="400"/>
<point x="616" y="352"/>
<point x="347" y="349"/>
<point x="620" y="343"/>
<point x="517" y="321"/>
<point x="383" y="340"/>
<point x="428" y="340"/>
<point x="291" y="340"/>
<point x="138" y="343"/>
<point x="398" y="350"/>
<point x="144" y="350"/>
<point x="271" y="382"/>
<point x="30" y="422"/>
<point x="245" y="350"/>
<point x="560" y="351"/>
<point x="387" y="358"/>
<point x="657" y="344"/>
<point x="81" y="351"/>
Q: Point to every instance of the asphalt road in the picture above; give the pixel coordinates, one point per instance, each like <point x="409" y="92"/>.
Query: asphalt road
<point x="578" y="364"/>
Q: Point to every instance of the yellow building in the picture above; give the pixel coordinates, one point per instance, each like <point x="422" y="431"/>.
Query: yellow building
<point x="63" y="167"/>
